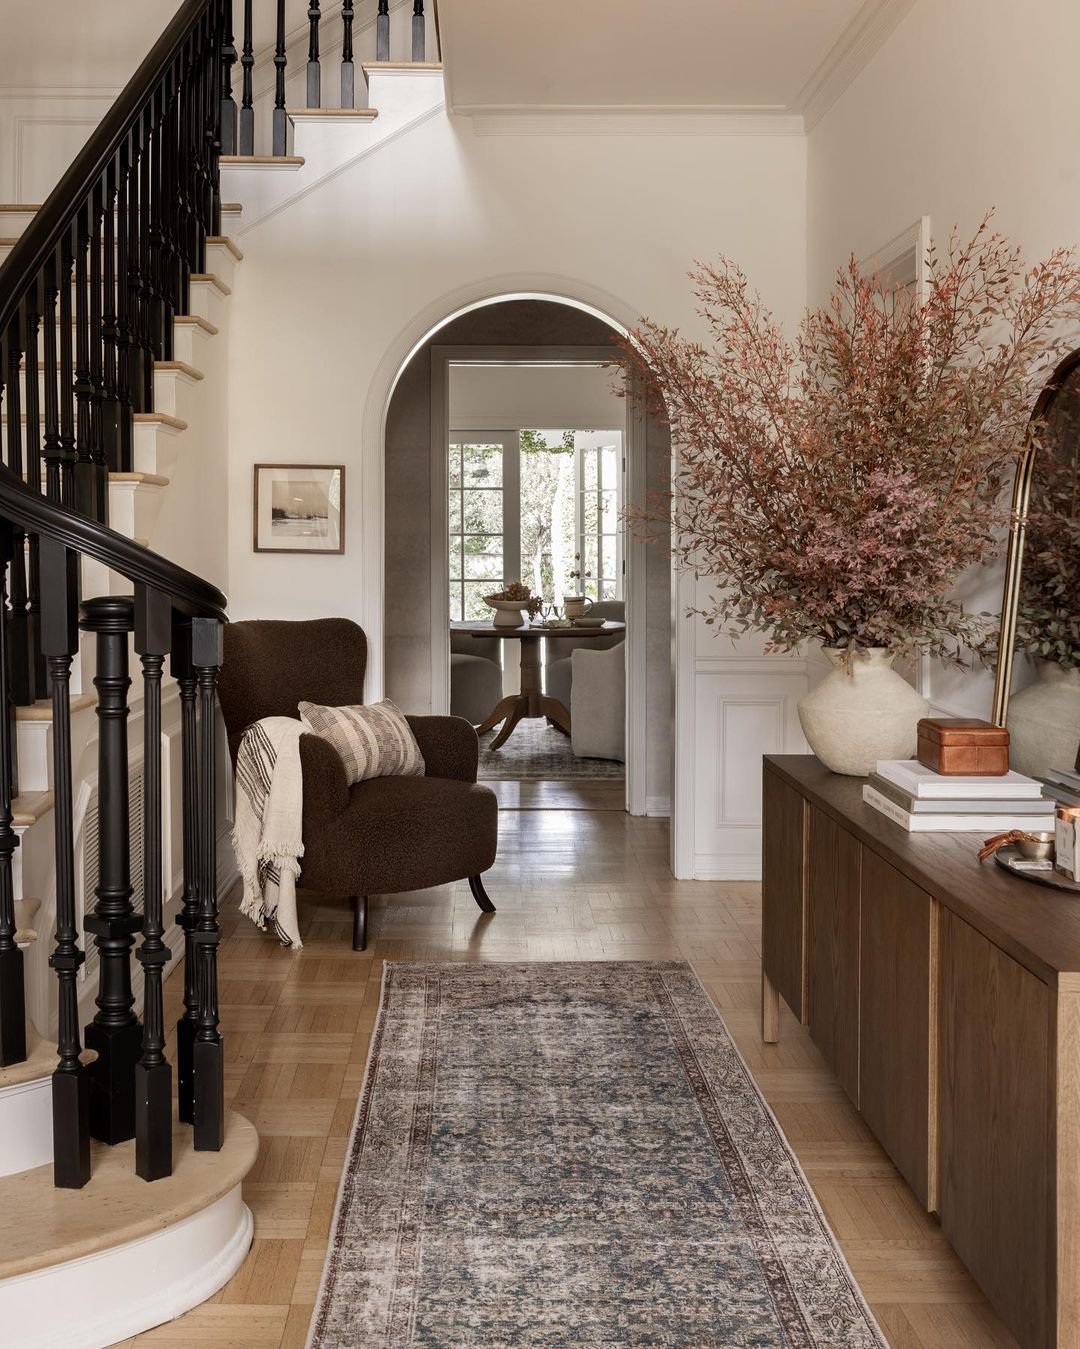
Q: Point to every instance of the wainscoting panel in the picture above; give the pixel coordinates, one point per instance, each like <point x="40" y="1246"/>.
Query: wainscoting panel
<point x="742" y="709"/>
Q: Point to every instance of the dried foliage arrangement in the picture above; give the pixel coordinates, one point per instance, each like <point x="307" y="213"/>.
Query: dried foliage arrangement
<point x="837" y="484"/>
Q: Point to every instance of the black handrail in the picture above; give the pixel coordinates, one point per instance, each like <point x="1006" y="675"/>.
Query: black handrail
<point x="34" y="248"/>
<point x="37" y="515"/>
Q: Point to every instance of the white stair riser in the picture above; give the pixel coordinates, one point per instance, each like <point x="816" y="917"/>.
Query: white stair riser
<point x="221" y="261"/>
<point x="191" y="344"/>
<point x="127" y="1289"/>
<point x="207" y="302"/>
<point x="34" y="741"/>
<point x="25" y="1127"/>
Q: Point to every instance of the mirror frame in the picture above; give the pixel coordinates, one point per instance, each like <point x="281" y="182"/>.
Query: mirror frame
<point x="1014" y="558"/>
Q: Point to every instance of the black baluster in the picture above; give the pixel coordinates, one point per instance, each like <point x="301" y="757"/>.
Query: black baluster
<point x="85" y="500"/>
<point x="97" y="378"/>
<point x="111" y="411"/>
<point x="314" y="82"/>
<point x="280" y="136"/>
<point x="214" y="150"/>
<point x="348" y="69"/>
<point x="209" y="1051"/>
<point x="54" y="376"/>
<point x="161" y="315"/>
<point x="66" y="262"/>
<point x="114" y="1032"/>
<point x="70" y="1083"/>
<point x="153" y="1075"/>
<point x="187" y="919"/>
<point x="227" y="115"/>
<point x="382" y="32"/>
<point x="21" y="683"/>
<point x="247" y="65"/>
<point x="12" y="995"/>
<point x="125" y="422"/>
<point x="418" y="35"/>
<point x="35" y="659"/>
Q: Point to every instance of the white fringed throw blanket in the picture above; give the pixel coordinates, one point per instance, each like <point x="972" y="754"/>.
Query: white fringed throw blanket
<point x="267" y="834"/>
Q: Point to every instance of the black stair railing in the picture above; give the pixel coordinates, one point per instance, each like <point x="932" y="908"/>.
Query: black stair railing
<point x="88" y="295"/>
<point x="126" y="1091"/>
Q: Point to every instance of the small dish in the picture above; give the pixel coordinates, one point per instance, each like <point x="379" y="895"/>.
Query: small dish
<point x="1036" y="845"/>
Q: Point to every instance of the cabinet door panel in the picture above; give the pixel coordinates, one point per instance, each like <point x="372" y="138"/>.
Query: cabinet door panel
<point x="783" y="883"/>
<point x="895" y="1029"/>
<point x="833" y="863"/>
<point x="993" y="1094"/>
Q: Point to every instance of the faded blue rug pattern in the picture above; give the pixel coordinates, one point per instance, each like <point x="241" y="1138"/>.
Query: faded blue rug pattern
<point x="572" y="1154"/>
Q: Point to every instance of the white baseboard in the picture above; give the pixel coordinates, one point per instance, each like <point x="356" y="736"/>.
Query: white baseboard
<point x="658" y="806"/>
<point x="717" y="867"/>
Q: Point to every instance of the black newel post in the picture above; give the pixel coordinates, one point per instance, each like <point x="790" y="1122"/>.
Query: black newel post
<point x="187" y="919"/>
<point x="348" y="69"/>
<point x="12" y="996"/>
<point x="153" y="1075"/>
<point x="382" y="32"/>
<point x="247" y="110"/>
<point x="115" y="1032"/>
<point x="70" y="1082"/>
<point x="280" y="136"/>
<point x="209" y="1049"/>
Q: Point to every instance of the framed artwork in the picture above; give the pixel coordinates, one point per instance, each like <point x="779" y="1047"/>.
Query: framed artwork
<point x="299" y="508"/>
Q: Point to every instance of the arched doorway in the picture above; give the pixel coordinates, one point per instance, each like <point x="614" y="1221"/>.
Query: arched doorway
<point x="416" y="610"/>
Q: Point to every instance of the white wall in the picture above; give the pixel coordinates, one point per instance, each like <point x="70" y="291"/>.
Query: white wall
<point x="338" y="288"/>
<point x="971" y="104"/>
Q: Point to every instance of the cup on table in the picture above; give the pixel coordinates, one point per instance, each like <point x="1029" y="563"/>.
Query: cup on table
<point x="576" y="606"/>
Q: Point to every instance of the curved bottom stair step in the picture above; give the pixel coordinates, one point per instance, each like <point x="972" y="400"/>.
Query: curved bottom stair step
<point x="129" y="1255"/>
<point x="26" y="1108"/>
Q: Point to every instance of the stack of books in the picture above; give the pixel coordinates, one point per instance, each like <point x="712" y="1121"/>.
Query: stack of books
<point x="925" y="802"/>
<point x="1063" y="784"/>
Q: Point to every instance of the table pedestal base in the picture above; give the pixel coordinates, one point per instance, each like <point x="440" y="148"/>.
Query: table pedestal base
<point x="530" y="702"/>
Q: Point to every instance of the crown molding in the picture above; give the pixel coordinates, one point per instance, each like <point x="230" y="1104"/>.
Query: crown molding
<point x="860" y="41"/>
<point x="636" y="121"/>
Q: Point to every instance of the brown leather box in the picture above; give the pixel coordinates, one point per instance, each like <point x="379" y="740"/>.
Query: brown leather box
<point x="955" y="746"/>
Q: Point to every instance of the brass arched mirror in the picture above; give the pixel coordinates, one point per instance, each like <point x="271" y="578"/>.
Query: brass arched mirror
<point x="1037" y="688"/>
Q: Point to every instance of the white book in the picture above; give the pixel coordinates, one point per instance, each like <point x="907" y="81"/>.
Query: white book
<point x="956" y="824"/>
<point x="919" y="780"/>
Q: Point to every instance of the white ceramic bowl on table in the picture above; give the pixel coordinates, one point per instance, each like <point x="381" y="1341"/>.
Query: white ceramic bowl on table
<point x="508" y="613"/>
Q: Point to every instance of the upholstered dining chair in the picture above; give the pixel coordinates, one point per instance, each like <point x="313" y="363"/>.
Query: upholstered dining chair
<point x="558" y="669"/>
<point x="379" y="837"/>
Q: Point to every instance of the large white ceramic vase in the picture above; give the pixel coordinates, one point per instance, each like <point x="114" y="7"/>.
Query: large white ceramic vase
<point x="1044" y="720"/>
<point x="862" y="711"/>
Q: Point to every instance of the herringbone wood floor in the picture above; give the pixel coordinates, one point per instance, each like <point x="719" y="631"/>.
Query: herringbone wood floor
<point x="570" y="884"/>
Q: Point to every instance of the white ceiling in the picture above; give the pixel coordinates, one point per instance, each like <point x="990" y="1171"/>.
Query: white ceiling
<point x="741" y="56"/>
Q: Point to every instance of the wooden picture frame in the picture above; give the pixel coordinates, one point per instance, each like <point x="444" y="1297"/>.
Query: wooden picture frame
<point x="298" y="508"/>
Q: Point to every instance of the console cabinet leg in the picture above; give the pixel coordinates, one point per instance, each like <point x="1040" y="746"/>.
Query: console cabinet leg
<point x="770" y="1011"/>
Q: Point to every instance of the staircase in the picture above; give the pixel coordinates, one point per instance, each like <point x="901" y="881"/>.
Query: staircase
<point x="121" y="1170"/>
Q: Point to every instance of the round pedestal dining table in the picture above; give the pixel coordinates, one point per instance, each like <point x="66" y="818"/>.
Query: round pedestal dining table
<point x="530" y="700"/>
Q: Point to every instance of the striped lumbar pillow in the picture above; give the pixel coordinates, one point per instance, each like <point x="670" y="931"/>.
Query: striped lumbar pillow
<point x="374" y="741"/>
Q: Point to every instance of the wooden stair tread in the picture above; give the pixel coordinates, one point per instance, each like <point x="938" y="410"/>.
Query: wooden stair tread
<point x="42" y="709"/>
<point x="356" y="114"/>
<point x="16" y="208"/>
<point x="162" y="418"/>
<point x="25" y="932"/>
<point x="150" y="479"/>
<point x="261" y="161"/>
<point x="402" y="65"/>
<point x="195" y="321"/>
<point x="225" y="242"/>
<point x="213" y="279"/>
<point x="181" y="366"/>
<point x="28" y="807"/>
<point x="41" y="1225"/>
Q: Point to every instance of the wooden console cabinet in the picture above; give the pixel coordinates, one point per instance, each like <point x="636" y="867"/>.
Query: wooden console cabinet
<point x="945" y="995"/>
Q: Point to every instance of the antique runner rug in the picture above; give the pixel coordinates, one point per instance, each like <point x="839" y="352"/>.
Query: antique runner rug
<point x="572" y="1154"/>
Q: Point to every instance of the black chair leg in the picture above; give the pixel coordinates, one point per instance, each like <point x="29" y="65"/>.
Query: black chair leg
<point x="476" y="885"/>
<point x="359" y="923"/>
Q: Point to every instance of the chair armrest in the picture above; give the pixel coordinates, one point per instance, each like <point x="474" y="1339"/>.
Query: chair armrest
<point x="450" y="746"/>
<point x="326" y="791"/>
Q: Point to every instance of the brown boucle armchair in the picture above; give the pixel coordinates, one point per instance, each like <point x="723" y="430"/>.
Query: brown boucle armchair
<point x="378" y="837"/>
